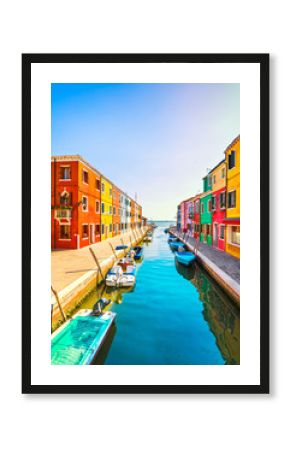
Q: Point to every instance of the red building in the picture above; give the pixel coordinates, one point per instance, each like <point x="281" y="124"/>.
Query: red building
<point x="196" y="216"/>
<point x="218" y="176"/>
<point x="75" y="203"/>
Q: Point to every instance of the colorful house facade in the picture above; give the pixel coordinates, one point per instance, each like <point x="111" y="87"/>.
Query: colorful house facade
<point x="85" y="205"/>
<point x="218" y="179"/>
<point x="232" y="220"/>
<point x="75" y="203"/>
<point x="116" y="211"/>
<point x="206" y="211"/>
<point x="106" y="208"/>
<point x="196" y="217"/>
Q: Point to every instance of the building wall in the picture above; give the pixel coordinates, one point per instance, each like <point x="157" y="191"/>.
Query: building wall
<point x="206" y="219"/>
<point x="218" y="175"/>
<point x="58" y="187"/>
<point x="133" y="217"/>
<point x="196" y="217"/>
<point x="233" y="184"/>
<point x="107" y="211"/>
<point x="218" y="216"/>
<point x="116" y="211"/>
<point x="89" y="217"/>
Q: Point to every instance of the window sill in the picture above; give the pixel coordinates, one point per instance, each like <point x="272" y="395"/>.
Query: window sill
<point x="64" y="239"/>
<point x="65" y="179"/>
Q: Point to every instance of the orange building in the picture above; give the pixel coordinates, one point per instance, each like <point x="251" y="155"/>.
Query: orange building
<point x="133" y="215"/>
<point x="75" y="203"/>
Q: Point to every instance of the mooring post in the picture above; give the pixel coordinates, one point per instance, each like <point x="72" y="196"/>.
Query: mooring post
<point x="58" y="302"/>
<point x="122" y="240"/>
<point x="97" y="262"/>
<point x="113" y="250"/>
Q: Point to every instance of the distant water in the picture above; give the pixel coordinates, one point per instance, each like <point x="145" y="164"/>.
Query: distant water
<point x="164" y="223"/>
<point x="174" y="314"/>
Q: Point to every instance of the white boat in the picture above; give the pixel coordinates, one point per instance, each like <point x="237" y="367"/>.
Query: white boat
<point x="129" y="277"/>
<point x="122" y="274"/>
<point x="113" y="275"/>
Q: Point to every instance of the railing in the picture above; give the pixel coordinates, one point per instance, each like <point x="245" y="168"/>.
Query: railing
<point x="62" y="214"/>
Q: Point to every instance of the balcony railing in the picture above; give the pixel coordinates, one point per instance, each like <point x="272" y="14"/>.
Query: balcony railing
<point x="62" y="214"/>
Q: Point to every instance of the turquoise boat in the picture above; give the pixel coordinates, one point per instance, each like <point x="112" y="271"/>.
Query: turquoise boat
<point x="174" y="245"/>
<point x="78" y="341"/>
<point x="185" y="258"/>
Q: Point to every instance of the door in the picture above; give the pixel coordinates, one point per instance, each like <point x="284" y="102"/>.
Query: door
<point x="92" y="234"/>
<point x="215" y="235"/>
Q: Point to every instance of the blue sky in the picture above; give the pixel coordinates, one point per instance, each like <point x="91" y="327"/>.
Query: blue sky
<point x="153" y="140"/>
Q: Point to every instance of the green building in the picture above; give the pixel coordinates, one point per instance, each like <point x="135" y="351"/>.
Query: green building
<point x="206" y="211"/>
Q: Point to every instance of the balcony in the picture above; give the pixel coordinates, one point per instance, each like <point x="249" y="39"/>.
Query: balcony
<point x="62" y="213"/>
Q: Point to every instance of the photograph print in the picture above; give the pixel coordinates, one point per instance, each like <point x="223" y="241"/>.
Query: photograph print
<point x="149" y="272"/>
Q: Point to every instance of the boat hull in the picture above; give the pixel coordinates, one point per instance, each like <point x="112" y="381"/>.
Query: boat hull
<point x="185" y="259"/>
<point x="80" y="339"/>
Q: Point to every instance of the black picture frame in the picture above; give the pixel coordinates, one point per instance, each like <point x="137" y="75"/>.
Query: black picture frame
<point x="27" y="61"/>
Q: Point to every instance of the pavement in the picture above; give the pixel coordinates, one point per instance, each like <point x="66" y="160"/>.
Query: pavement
<point x="226" y="262"/>
<point x="68" y="266"/>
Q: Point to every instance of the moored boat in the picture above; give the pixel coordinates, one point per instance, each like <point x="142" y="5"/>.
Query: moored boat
<point x="176" y="244"/>
<point x="79" y="340"/>
<point x="138" y="252"/>
<point x="184" y="257"/>
<point x="113" y="275"/>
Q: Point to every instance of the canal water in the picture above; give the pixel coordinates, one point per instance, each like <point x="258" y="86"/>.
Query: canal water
<point x="173" y="315"/>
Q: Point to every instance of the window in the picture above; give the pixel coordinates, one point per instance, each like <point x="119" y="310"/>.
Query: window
<point x="103" y="208"/>
<point x="235" y="235"/>
<point x="110" y="192"/>
<point x="114" y="211"/>
<point x="223" y="172"/>
<point x="208" y="230"/>
<point x="97" y="206"/>
<point x="64" y="232"/>
<point x="222" y="200"/>
<point x="232" y="160"/>
<point x="103" y="187"/>
<point x="65" y="173"/>
<point x="103" y="229"/>
<point x="213" y="203"/>
<point x="209" y="205"/>
<point x="98" y="184"/>
<point x="213" y="179"/>
<point x="202" y="208"/>
<point x="197" y="207"/>
<point x="232" y="199"/>
<point x="97" y="229"/>
<point x="85" y="176"/>
<point x="85" y="231"/>
<point x="209" y="181"/>
<point x="222" y="232"/>
<point x="110" y="228"/>
<point x="110" y="210"/>
<point x="65" y="199"/>
<point x="85" y="204"/>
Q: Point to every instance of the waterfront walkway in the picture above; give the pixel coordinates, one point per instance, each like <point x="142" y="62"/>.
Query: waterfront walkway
<point x="67" y="266"/>
<point x="223" y="267"/>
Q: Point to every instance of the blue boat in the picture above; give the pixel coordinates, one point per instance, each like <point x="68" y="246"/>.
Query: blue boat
<point x="79" y="340"/>
<point x="172" y="239"/>
<point x="176" y="244"/>
<point x="121" y="247"/>
<point x="185" y="258"/>
<point x="138" y="252"/>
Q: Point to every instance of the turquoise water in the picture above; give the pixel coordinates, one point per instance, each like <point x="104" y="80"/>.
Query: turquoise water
<point x="174" y="315"/>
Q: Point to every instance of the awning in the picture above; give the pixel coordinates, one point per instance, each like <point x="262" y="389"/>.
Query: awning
<point x="232" y="221"/>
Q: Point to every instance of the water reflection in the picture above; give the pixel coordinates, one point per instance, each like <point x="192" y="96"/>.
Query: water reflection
<point x="220" y="313"/>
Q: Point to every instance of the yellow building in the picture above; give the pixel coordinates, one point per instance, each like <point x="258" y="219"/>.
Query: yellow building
<point x="232" y="221"/>
<point x="106" y="209"/>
